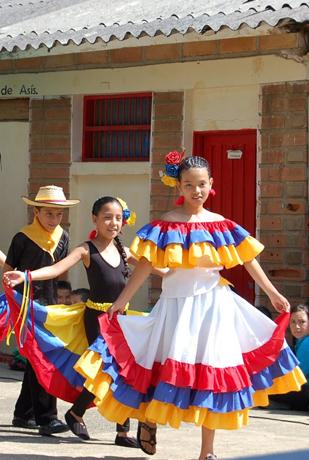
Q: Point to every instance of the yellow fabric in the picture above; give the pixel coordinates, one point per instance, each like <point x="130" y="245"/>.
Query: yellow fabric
<point x="101" y="306"/>
<point x="45" y="240"/>
<point x="198" y="255"/>
<point x="22" y="314"/>
<point x="98" y="383"/>
<point x="67" y="323"/>
<point x="168" y="180"/>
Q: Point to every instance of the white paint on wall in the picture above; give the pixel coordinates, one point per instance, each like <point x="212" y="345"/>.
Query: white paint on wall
<point x="88" y="187"/>
<point x="162" y="77"/>
<point x="14" y="173"/>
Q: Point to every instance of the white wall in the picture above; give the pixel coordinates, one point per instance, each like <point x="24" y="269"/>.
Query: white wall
<point x="91" y="181"/>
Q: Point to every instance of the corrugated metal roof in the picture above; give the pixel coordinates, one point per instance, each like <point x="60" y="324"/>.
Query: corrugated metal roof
<point x="36" y="23"/>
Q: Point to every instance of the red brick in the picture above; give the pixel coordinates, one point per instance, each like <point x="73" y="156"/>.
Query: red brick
<point x="279" y="103"/>
<point x="61" y="113"/>
<point x="238" y="45"/>
<point x="126" y="55"/>
<point x="167" y="125"/>
<point x="30" y="64"/>
<point x="7" y="65"/>
<point x="200" y="49"/>
<point x="298" y="103"/>
<point x="273" y="121"/>
<point x="97" y="58"/>
<point x="167" y="140"/>
<point x="50" y="172"/>
<point x="294" y="173"/>
<point x="272" y="255"/>
<point x="169" y="110"/>
<point x="171" y="52"/>
<point x="271" y="189"/>
<point x="271" y="223"/>
<point x="274" y="88"/>
<point x="279" y="41"/>
<point x="271" y="174"/>
<point x="14" y="109"/>
<point x="171" y="96"/>
<point x="272" y="156"/>
<point x="54" y="157"/>
<point x="59" y="61"/>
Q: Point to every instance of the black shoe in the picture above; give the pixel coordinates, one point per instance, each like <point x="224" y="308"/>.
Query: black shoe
<point x="20" y="422"/>
<point x="126" y="441"/>
<point x="53" y="427"/>
<point x="77" y="428"/>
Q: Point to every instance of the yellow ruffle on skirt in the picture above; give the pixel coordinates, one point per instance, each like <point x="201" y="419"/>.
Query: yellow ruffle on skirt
<point x="98" y="383"/>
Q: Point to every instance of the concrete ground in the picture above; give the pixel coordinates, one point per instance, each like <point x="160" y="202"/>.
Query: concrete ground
<point x="271" y="435"/>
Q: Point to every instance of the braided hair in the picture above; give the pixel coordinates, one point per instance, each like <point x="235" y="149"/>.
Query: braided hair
<point x="97" y="206"/>
<point x="193" y="162"/>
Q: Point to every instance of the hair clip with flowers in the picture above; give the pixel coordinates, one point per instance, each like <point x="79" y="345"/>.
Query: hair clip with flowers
<point x="172" y="162"/>
<point x="128" y="217"/>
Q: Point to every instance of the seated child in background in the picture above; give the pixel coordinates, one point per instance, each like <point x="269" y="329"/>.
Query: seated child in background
<point x="80" y="295"/>
<point x="63" y="292"/>
<point x="299" y="326"/>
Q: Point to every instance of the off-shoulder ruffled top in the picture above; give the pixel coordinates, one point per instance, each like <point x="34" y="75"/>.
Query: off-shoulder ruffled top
<point x="195" y="244"/>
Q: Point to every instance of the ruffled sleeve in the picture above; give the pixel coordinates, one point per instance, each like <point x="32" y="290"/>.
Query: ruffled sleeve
<point x="195" y="244"/>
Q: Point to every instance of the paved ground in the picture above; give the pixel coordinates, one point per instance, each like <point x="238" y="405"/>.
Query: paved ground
<point x="271" y="435"/>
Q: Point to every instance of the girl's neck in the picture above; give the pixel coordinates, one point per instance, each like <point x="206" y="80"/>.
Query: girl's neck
<point x="103" y="242"/>
<point x="190" y="210"/>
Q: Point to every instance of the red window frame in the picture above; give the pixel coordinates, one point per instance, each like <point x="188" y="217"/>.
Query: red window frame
<point x="138" y="129"/>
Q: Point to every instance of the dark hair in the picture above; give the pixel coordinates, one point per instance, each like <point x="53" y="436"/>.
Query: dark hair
<point x="193" y="162"/>
<point x="98" y="204"/>
<point x="83" y="292"/>
<point x="62" y="284"/>
<point x="301" y="307"/>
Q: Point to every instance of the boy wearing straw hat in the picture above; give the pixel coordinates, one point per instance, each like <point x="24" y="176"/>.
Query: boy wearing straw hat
<point x="43" y="242"/>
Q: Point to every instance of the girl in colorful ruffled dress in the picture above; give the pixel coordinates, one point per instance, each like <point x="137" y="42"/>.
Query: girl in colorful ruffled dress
<point x="63" y="332"/>
<point x="204" y="354"/>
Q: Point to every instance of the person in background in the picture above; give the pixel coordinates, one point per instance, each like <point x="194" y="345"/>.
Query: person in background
<point x="80" y="295"/>
<point x="43" y="242"/>
<point x="299" y="326"/>
<point x="63" y="292"/>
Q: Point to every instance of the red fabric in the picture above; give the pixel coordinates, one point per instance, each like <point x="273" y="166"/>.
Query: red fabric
<point x="187" y="227"/>
<point x="196" y="376"/>
<point x="3" y="326"/>
<point x="262" y="357"/>
<point x="180" y="200"/>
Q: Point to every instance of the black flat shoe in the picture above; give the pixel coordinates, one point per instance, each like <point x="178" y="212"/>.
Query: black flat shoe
<point x="20" y="422"/>
<point x="77" y="428"/>
<point x="53" y="427"/>
<point x="125" y="441"/>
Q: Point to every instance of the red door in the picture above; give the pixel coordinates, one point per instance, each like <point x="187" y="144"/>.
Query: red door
<point x="232" y="158"/>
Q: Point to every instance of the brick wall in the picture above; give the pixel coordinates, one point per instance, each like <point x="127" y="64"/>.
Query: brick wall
<point x="50" y="144"/>
<point x="14" y="109"/>
<point x="279" y="43"/>
<point x="167" y="135"/>
<point x="284" y="188"/>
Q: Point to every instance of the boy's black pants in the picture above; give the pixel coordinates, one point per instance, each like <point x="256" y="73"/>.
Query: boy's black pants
<point x="34" y="401"/>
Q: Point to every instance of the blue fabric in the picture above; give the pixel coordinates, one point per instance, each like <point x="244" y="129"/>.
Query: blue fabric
<point x="173" y="236"/>
<point x="183" y="398"/>
<point x="302" y="353"/>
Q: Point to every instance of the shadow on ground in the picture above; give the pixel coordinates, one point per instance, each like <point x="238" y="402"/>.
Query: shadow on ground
<point x="292" y="455"/>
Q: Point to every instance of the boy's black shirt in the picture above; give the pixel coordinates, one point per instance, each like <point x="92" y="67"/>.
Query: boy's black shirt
<point x="24" y="254"/>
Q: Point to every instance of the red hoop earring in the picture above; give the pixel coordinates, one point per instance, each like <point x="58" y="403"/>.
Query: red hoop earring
<point x="180" y="200"/>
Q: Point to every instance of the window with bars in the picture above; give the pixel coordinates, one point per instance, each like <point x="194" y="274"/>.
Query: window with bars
<point x="117" y="127"/>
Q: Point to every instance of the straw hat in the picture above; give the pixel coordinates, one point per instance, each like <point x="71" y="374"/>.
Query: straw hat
<point x="50" y="196"/>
